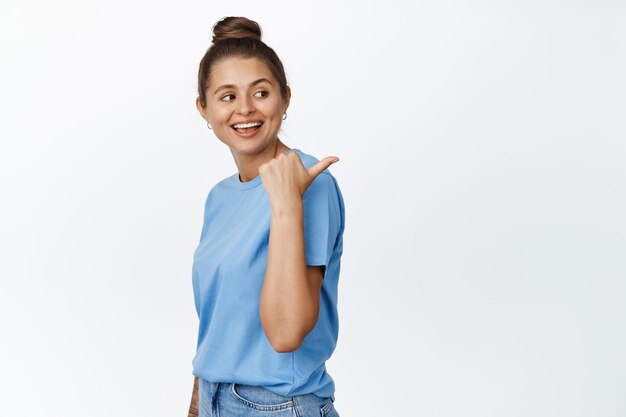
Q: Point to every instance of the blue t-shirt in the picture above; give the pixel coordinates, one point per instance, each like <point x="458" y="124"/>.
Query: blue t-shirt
<point x="228" y="273"/>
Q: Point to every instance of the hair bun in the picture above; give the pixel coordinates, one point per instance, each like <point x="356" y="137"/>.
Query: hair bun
<point x="236" y="27"/>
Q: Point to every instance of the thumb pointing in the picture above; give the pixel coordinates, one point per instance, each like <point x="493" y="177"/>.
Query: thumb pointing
<point x="316" y="169"/>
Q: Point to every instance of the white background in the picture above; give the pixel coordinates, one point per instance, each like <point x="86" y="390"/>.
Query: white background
<point x="482" y="150"/>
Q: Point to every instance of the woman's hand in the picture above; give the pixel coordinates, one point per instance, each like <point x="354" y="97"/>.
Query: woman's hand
<point x="286" y="179"/>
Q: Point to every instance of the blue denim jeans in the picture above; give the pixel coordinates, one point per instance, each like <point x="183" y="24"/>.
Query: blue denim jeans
<point x="221" y="399"/>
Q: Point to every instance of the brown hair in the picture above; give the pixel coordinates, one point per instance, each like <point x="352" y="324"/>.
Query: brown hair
<point x="238" y="37"/>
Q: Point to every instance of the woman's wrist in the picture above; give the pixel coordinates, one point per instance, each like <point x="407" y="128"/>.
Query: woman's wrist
<point x="288" y="209"/>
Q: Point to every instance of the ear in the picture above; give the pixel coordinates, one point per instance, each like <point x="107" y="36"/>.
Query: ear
<point x="201" y="109"/>
<point x="288" y="98"/>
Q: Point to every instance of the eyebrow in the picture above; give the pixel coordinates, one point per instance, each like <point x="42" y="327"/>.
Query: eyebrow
<point x="253" y="83"/>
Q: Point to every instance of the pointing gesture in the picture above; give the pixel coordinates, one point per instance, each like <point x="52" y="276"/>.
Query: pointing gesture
<point x="286" y="179"/>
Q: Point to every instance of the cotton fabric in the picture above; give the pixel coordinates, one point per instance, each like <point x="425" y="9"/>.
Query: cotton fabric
<point x="228" y="272"/>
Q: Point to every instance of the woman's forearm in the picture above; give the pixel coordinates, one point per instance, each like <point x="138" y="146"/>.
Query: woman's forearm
<point x="287" y="306"/>
<point x="193" y="407"/>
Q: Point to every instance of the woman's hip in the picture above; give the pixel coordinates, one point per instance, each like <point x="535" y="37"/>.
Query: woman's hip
<point x="225" y="399"/>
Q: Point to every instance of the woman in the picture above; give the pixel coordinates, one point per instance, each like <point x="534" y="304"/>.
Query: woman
<point x="266" y="270"/>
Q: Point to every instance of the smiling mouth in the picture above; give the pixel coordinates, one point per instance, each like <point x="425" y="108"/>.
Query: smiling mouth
<point x="247" y="127"/>
<point x="247" y="130"/>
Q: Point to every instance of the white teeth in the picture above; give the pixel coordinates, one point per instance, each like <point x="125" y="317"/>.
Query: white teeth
<point x="244" y="125"/>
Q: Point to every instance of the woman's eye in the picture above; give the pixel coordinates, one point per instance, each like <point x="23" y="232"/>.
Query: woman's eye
<point x="232" y="95"/>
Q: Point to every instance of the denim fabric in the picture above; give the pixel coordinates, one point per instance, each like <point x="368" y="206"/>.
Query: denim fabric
<point x="226" y="399"/>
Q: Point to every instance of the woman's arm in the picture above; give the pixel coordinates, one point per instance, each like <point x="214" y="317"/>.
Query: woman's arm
<point x="289" y="302"/>
<point x="193" y="407"/>
<point x="290" y="295"/>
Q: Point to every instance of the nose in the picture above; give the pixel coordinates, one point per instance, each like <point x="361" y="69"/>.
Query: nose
<point x="245" y="105"/>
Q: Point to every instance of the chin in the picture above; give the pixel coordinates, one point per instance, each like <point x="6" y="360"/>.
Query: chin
<point x="248" y="147"/>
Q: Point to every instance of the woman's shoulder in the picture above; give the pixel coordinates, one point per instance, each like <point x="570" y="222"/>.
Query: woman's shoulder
<point x="217" y="190"/>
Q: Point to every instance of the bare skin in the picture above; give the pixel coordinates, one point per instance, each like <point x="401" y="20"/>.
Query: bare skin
<point x="289" y="303"/>
<point x="193" y="406"/>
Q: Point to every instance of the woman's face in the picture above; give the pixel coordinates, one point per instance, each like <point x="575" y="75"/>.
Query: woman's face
<point x="244" y="90"/>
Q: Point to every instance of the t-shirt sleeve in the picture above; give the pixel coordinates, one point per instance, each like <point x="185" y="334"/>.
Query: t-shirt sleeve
<point x="322" y="219"/>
